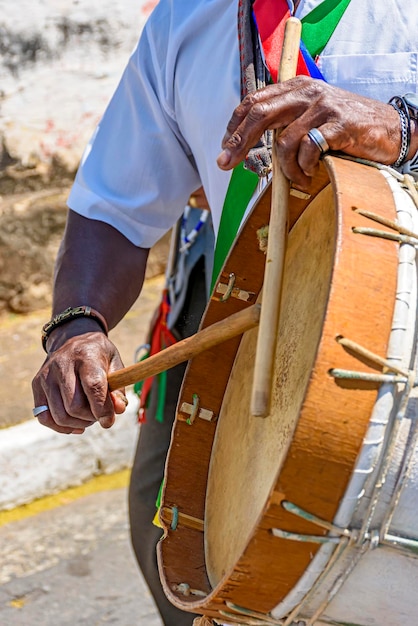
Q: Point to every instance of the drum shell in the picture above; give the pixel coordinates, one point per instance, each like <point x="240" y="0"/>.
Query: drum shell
<point x="269" y="567"/>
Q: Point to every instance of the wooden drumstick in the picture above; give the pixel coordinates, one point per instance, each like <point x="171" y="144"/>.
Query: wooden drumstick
<point x="276" y="246"/>
<point x="186" y="349"/>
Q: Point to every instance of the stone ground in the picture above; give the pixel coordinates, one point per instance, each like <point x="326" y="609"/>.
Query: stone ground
<point x="73" y="566"/>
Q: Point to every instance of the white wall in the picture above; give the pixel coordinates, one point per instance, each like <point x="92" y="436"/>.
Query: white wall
<point x="60" y="61"/>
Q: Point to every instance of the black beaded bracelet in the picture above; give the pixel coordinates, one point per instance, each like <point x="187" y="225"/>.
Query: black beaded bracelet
<point x="401" y="107"/>
<point x="70" y="314"/>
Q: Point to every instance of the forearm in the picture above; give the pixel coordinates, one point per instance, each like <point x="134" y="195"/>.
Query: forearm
<point x="99" y="267"/>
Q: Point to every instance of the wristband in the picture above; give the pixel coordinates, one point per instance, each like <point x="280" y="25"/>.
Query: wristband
<point x="399" y="104"/>
<point x="68" y="315"/>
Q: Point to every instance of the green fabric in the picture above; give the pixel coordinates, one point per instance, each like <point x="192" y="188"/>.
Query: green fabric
<point x="319" y="25"/>
<point x="160" y="493"/>
<point x="161" y="389"/>
<point x="241" y="188"/>
<point x="317" y="29"/>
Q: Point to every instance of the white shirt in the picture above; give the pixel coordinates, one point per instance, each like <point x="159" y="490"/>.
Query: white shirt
<point x="162" y="131"/>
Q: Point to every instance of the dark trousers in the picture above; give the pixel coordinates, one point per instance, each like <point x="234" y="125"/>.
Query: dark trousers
<point x="148" y="467"/>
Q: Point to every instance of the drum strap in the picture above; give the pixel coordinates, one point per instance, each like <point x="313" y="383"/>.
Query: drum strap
<point x="317" y="29"/>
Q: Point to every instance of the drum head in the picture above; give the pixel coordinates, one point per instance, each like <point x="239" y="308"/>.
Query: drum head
<point x="248" y="452"/>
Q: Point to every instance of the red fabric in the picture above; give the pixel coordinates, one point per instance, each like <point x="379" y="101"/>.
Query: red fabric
<point x="271" y="16"/>
<point x="161" y="338"/>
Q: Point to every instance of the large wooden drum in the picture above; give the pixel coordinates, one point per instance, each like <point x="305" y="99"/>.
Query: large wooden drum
<point x="308" y="515"/>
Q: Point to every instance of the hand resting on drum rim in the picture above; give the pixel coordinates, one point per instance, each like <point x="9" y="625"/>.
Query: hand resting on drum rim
<point x="358" y="126"/>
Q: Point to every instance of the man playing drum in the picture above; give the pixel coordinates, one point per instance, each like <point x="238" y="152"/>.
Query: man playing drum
<point x="168" y="130"/>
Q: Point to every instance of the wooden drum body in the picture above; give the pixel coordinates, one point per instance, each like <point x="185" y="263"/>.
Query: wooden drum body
<point x="257" y="512"/>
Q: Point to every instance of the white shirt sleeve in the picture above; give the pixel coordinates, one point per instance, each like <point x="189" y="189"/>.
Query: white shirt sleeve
<point x="137" y="172"/>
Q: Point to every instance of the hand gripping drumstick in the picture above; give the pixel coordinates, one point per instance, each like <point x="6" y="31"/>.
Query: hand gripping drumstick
<point x="184" y="350"/>
<point x="276" y="246"/>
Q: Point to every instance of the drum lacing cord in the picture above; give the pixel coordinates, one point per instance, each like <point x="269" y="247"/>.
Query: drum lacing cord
<point x="338" y="553"/>
<point x="408" y="378"/>
<point x="296" y="510"/>
<point x="363" y="539"/>
<point x="345" y="539"/>
<point x="370" y="539"/>
<point x="379" y="536"/>
<point x="366" y="540"/>
<point x="409" y="238"/>
<point x="405" y="469"/>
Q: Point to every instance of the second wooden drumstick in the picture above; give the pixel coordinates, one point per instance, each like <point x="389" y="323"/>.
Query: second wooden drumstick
<point x="276" y="246"/>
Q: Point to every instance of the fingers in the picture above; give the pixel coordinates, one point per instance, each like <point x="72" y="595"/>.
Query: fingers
<point x="358" y="126"/>
<point x="73" y="384"/>
<point x="273" y="107"/>
<point x="54" y="422"/>
<point x="94" y="385"/>
<point x="244" y="131"/>
<point x="45" y="417"/>
<point x="118" y="397"/>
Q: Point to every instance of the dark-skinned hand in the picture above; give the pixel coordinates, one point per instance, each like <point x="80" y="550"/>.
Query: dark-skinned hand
<point x="358" y="126"/>
<point x="77" y="393"/>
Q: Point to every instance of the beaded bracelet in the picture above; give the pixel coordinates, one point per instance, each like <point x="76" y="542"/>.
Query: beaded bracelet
<point x="67" y="316"/>
<point x="399" y="104"/>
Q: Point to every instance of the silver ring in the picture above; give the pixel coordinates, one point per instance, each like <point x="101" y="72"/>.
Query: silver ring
<point x="40" y="409"/>
<point x="319" y="140"/>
